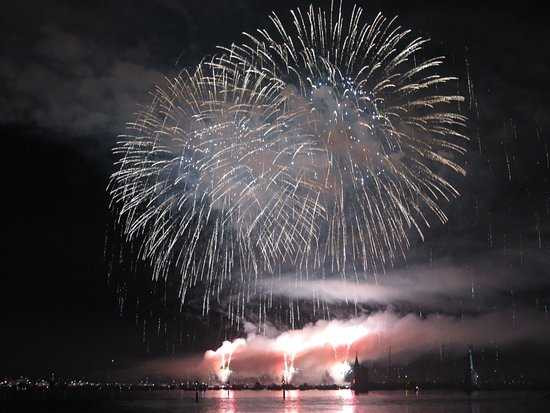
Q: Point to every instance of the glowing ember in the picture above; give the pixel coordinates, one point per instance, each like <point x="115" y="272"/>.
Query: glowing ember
<point x="289" y="344"/>
<point x="288" y="370"/>
<point x="222" y="357"/>
<point x="224" y="374"/>
<point x="339" y="371"/>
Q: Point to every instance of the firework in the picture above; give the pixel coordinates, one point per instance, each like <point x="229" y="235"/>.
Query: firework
<point x="339" y="371"/>
<point x="309" y="353"/>
<point x="323" y="345"/>
<point x="222" y="356"/>
<point x="316" y="147"/>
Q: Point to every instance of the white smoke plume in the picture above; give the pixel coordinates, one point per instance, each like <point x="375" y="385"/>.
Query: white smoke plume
<point x="309" y="353"/>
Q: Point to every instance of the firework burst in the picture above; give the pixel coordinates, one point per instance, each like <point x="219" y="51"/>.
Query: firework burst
<point x="315" y="147"/>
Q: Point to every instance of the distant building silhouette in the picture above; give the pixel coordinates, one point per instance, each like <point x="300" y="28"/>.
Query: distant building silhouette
<point x="360" y="378"/>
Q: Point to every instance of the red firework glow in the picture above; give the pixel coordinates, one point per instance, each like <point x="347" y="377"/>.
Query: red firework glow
<point x="326" y="347"/>
<point x="279" y="356"/>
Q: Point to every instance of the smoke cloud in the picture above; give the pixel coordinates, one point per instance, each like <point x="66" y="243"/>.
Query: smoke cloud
<point x="441" y="286"/>
<point x="322" y="347"/>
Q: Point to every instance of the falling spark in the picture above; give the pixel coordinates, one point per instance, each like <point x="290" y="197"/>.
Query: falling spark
<point x="317" y="147"/>
<point x="222" y="357"/>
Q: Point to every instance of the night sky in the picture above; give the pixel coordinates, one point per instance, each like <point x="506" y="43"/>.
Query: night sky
<point x="71" y="75"/>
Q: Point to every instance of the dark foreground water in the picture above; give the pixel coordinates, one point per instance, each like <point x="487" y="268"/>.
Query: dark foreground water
<point x="296" y="401"/>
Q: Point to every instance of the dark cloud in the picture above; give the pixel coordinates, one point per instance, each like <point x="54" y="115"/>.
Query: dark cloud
<point x="84" y="70"/>
<point x="73" y="84"/>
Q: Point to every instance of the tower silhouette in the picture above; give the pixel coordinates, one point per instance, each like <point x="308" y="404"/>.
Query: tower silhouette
<point x="360" y="380"/>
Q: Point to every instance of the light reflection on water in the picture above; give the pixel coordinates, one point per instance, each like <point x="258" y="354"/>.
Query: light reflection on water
<point x="228" y="404"/>
<point x="335" y="401"/>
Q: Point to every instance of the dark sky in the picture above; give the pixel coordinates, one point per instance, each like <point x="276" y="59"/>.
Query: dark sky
<point x="72" y="73"/>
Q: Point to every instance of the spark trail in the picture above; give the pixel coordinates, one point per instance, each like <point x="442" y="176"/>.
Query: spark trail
<point x="328" y="346"/>
<point x="316" y="147"/>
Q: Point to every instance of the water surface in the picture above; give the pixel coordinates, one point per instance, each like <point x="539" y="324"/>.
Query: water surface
<point x="342" y="401"/>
